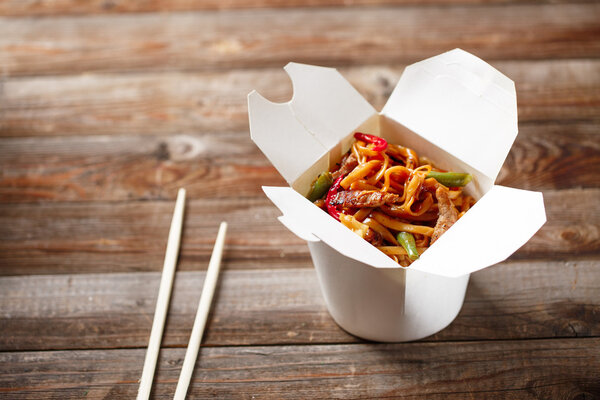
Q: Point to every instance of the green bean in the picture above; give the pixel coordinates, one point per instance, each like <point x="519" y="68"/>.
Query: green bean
<point x="407" y="240"/>
<point x="451" y="179"/>
<point x="320" y="187"/>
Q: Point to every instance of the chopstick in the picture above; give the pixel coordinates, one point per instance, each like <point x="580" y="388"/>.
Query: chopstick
<point x="210" y="282"/>
<point x="162" y="303"/>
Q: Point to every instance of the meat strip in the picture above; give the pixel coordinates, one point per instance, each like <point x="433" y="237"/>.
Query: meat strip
<point x="364" y="198"/>
<point x="448" y="214"/>
<point x="349" y="162"/>
<point x="374" y="237"/>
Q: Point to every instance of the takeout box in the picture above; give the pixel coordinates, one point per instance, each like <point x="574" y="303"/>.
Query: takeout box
<point x="456" y="110"/>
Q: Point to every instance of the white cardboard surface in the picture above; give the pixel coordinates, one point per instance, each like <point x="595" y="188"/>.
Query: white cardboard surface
<point x="309" y="220"/>
<point x="321" y="101"/>
<point x="294" y="135"/>
<point x="461" y="104"/>
<point x="281" y="137"/>
<point x="495" y="227"/>
<point x="455" y="101"/>
<point x="385" y="304"/>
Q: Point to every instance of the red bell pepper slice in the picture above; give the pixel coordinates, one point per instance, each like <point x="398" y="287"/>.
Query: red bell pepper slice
<point x="380" y="144"/>
<point x="333" y="190"/>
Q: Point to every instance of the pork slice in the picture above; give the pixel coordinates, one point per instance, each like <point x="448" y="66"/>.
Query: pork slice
<point x="374" y="237"/>
<point x="364" y="198"/>
<point x="349" y="162"/>
<point x="448" y="214"/>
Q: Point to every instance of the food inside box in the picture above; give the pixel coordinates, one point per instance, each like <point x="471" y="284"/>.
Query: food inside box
<point x="397" y="201"/>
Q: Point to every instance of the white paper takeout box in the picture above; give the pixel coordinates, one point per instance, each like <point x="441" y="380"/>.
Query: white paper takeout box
<point x="453" y="108"/>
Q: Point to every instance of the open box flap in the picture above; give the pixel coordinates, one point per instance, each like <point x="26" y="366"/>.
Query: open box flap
<point x="281" y="137"/>
<point x="298" y="228"/>
<point x="323" y="110"/>
<point x="305" y="219"/>
<point x="326" y="104"/>
<point x="495" y="227"/>
<point x="461" y="104"/>
<point x="501" y="221"/>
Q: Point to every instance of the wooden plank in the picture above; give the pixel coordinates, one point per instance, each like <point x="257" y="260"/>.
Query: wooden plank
<point x="514" y="300"/>
<point x="53" y="238"/>
<point x="131" y="236"/>
<point x="175" y="103"/>
<point x="549" y="369"/>
<point x="75" y="7"/>
<point x="546" y="156"/>
<point x="272" y="37"/>
<point x="116" y="168"/>
<point x="569" y="231"/>
<point x="547" y="90"/>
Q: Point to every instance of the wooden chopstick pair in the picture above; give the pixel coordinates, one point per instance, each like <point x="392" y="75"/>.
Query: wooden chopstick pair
<point x="162" y="305"/>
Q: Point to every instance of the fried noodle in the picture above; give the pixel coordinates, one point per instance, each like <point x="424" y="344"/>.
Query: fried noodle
<point x="389" y="192"/>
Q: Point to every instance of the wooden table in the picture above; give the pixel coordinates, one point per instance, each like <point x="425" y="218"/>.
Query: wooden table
<point x="107" y="107"/>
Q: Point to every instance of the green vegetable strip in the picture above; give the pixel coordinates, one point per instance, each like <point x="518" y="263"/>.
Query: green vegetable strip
<point x="407" y="240"/>
<point x="450" y="179"/>
<point x="320" y="187"/>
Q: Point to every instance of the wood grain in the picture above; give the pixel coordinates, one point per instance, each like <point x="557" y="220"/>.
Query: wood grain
<point x="572" y="229"/>
<point x="187" y="103"/>
<point x="52" y="238"/>
<point x="107" y="107"/>
<point x="271" y="37"/>
<point x="545" y="156"/>
<point x="553" y="156"/>
<point x="528" y="369"/>
<point x="131" y="236"/>
<point x="75" y="7"/>
<point x="117" y="168"/>
<point x="514" y="300"/>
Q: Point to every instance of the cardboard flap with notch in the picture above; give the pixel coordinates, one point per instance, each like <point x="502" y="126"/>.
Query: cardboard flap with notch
<point x="279" y="135"/>
<point x="326" y="104"/>
<point x="323" y="110"/>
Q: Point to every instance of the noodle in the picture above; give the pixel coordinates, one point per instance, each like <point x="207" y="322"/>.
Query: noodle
<point x="359" y="173"/>
<point x="400" y="226"/>
<point x="390" y="197"/>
